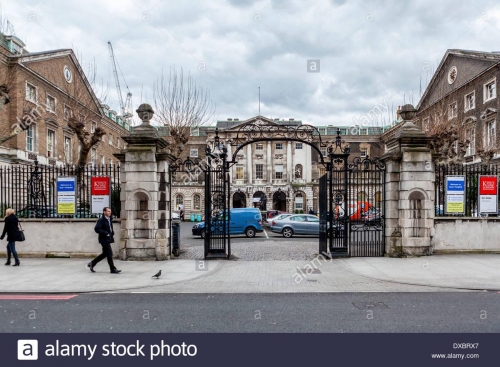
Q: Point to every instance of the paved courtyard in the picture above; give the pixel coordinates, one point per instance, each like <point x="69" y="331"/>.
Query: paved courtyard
<point x="264" y="250"/>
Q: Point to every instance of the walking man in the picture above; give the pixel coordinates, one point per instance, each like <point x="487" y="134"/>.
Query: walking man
<point x="104" y="227"/>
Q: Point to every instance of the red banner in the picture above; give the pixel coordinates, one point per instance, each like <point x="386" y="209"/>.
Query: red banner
<point x="100" y="185"/>
<point x="488" y="185"/>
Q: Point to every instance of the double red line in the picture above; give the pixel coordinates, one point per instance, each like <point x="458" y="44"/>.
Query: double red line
<point x="37" y="297"/>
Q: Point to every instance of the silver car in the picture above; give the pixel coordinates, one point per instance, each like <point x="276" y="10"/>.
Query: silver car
<point x="296" y="224"/>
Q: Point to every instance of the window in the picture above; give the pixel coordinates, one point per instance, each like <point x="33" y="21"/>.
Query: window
<point x="110" y="161"/>
<point x="470" y="101"/>
<point x="103" y="138"/>
<point x="110" y="139"/>
<point x="490" y="133"/>
<point x="81" y="118"/>
<point x="51" y="104"/>
<point x="50" y="143"/>
<point x="239" y="172"/>
<point x="93" y="156"/>
<point x="103" y="162"/>
<point x="364" y="152"/>
<point x="278" y="169"/>
<point x="197" y="201"/>
<point x="298" y="145"/>
<point x="378" y="200"/>
<point x="490" y="90"/>
<point x="453" y="112"/>
<point x="193" y="152"/>
<point x="195" y="131"/>
<point x="425" y="124"/>
<point x="363" y="131"/>
<point x="67" y="112"/>
<point x="279" y="146"/>
<point x="471" y="136"/>
<point x="259" y="146"/>
<point x="30" y="138"/>
<point x="118" y="143"/>
<point x="68" y="156"/>
<point x="361" y="196"/>
<point x="299" y="201"/>
<point x="298" y="171"/>
<point x="259" y="171"/>
<point x="323" y="152"/>
<point x="30" y="92"/>
<point x="179" y="201"/>
<point x="93" y="126"/>
<point x="322" y="171"/>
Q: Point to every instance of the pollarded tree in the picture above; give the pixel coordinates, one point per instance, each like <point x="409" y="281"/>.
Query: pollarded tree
<point x="180" y="105"/>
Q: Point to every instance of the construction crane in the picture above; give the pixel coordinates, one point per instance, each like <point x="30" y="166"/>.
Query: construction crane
<point x="125" y="107"/>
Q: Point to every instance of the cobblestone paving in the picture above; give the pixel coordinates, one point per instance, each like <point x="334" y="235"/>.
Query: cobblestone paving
<point x="261" y="251"/>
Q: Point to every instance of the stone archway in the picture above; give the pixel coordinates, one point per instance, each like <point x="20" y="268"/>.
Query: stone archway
<point x="239" y="200"/>
<point x="259" y="200"/>
<point x="279" y="201"/>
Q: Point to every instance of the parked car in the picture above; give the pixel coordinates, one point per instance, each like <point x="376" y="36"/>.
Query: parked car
<point x="246" y="221"/>
<point x="372" y="216"/>
<point x="267" y="223"/>
<point x="40" y="212"/>
<point x="272" y="214"/>
<point x="305" y="224"/>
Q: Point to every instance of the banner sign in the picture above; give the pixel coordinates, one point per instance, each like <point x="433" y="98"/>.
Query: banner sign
<point x="455" y="195"/>
<point x="100" y="192"/>
<point x="488" y="194"/>
<point x="66" y="195"/>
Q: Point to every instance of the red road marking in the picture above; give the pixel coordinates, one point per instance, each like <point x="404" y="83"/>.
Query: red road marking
<point x="36" y="297"/>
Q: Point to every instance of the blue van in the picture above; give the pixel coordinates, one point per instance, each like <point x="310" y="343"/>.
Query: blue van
<point x="246" y="221"/>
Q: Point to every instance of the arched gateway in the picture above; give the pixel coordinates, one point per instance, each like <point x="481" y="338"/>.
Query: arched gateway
<point x="347" y="228"/>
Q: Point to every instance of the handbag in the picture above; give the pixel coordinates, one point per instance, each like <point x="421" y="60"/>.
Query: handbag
<point x="20" y="236"/>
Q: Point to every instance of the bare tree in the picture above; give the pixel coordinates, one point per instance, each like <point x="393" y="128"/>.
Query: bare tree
<point x="80" y="95"/>
<point x="180" y="104"/>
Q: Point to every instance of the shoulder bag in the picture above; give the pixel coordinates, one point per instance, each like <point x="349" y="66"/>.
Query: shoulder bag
<point x="20" y="236"/>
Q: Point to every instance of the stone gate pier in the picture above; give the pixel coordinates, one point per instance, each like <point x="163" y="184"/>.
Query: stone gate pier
<point x="145" y="209"/>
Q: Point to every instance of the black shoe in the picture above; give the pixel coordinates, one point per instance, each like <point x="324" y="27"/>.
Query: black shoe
<point x="91" y="267"/>
<point x="115" y="271"/>
<point x="7" y="263"/>
<point x="17" y="264"/>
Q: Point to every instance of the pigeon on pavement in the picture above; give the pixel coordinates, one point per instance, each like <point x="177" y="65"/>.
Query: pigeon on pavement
<point x="157" y="275"/>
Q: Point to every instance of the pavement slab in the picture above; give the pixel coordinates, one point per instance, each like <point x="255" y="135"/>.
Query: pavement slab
<point x="383" y="274"/>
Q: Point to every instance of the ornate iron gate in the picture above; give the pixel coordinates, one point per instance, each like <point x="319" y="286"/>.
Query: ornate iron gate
<point x="353" y="224"/>
<point x="213" y="172"/>
<point x="217" y="213"/>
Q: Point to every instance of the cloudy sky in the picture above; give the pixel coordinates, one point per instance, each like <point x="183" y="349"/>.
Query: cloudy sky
<point x="371" y="53"/>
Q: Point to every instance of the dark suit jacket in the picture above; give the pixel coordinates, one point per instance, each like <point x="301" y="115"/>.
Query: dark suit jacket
<point x="11" y="227"/>
<point x="105" y="229"/>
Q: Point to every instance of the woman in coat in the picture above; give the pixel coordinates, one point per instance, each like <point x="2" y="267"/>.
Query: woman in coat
<point x="11" y="228"/>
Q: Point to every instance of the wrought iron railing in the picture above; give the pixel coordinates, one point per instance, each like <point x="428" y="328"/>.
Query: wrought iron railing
<point x="31" y="189"/>
<point x="471" y="173"/>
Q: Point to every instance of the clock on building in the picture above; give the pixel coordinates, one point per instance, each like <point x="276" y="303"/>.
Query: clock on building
<point x="68" y="75"/>
<point x="452" y="75"/>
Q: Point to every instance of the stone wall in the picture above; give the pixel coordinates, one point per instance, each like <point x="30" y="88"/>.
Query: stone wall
<point x="454" y="235"/>
<point x="61" y="238"/>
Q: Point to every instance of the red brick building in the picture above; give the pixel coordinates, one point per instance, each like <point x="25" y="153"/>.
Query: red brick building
<point x="45" y="88"/>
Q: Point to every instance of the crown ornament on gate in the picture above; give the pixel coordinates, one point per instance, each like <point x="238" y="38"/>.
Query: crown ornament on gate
<point x="338" y="148"/>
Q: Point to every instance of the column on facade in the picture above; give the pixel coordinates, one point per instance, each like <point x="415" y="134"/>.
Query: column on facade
<point x="289" y="168"/>
<point x="269" y="163"/>
<point x="249" y="165"/>
<point x="229" y="157"/>
<point x="307" y="170"/>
